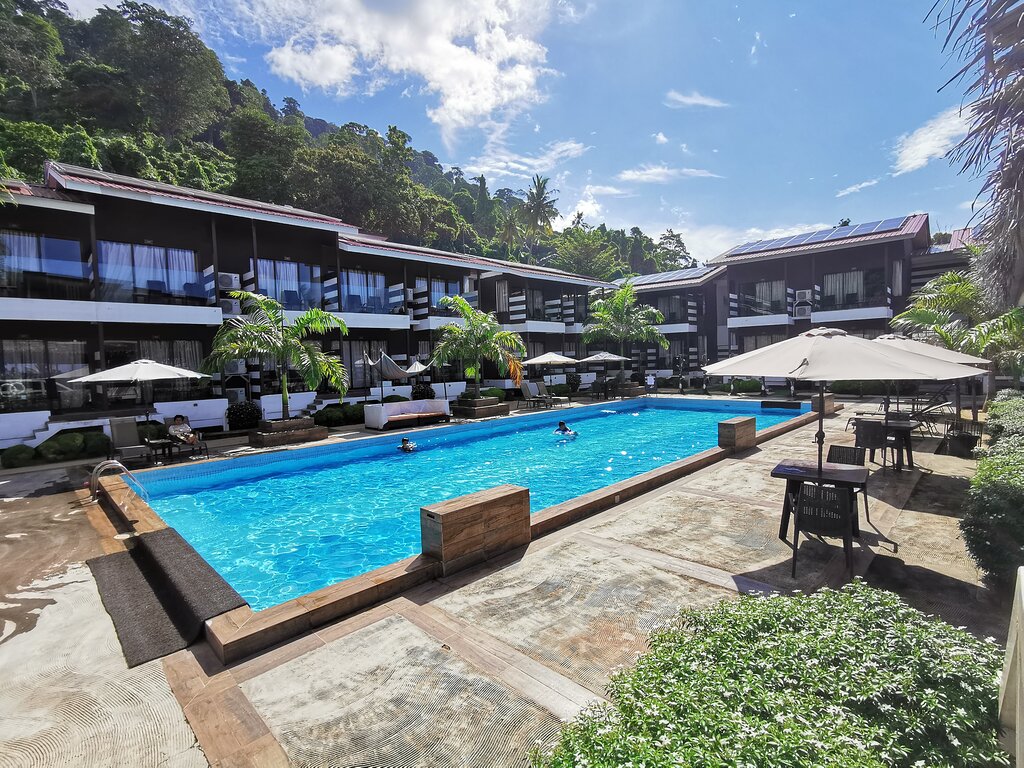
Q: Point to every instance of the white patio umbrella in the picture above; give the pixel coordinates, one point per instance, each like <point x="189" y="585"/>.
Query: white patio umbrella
<point x="830" y="354"/>
<point x="550" y="358"/>
<point x="929" y="350"/>
<point x="604" y="357"/>
<point x="140" y="370"/>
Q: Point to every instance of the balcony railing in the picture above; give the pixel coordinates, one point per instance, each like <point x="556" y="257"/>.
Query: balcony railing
<point x="751" y="307"/>
<point x="850" y="301"/>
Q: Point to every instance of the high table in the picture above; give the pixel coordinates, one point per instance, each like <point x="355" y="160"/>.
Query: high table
<point x="796" y="472"/>
<point x="902" y="430"/>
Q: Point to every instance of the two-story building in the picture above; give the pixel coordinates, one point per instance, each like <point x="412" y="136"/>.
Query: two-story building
<point x="855" y="277"/>
<point x="98" y="269"/>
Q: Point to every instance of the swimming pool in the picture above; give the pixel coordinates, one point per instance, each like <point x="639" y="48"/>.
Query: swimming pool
<point x="279" y="525"/>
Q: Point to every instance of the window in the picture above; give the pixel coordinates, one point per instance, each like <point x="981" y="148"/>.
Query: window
<point x="187" y="354"/>
<point x="42" y="267"/>
<point x="297" y="286"/>
<point x="36" y="374"/>
<point x="149" y="273"/>
<point x="353" y="354"/>
<point x="440" y="287"/>
<point x="767" y="297"/>
<point x="362" y="291"/>
<point x="501" y="296"/>
<point x="535" y="304"/>
<point x="759" y="340"/>
<point x="673" y="308"/>
<point x="852" y="288"/>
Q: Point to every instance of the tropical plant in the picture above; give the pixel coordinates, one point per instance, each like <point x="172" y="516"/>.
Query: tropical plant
<point x="583" y="251"/>
<point x="479" y="337"/>
<point x="262" y="331"/>
<point x="852" y="677"/>
<point x="538" y="212"/>
<point x="508" y="231"/>
<point x="619" y="319"/>
<point x="986" y="35"/>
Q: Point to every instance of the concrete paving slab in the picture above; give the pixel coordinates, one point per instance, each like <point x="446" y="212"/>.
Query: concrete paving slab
<point x="390" y="694"/>
<point x="577" y="609"/>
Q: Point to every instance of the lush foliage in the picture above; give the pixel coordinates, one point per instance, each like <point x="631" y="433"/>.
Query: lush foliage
<point x="837" y="678"/>
<point x="746" y="386"/>
<point x="493" y="392"/>
<point x="620" y="318"/>
<point x="422" y="390"/>
<point x="479" y="338"/>
<point x="861" y="388"/>
<point x="134" y="90"/>
<point x="573" y="380"/>
<point x="244" y="414"/>
<point x="263" y="332"/>
<point x="993" y="521"/>
<point x="64" y="446"/>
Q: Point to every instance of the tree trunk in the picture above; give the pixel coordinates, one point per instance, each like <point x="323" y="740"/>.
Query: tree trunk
<point x="476" y="379"/>
<point x="284" y="392"/>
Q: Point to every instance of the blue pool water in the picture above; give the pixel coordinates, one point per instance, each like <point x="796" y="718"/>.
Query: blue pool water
<point x="279" y="525"/>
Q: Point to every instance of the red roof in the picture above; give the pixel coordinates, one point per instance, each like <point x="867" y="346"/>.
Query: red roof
<point x="62" y="174"/>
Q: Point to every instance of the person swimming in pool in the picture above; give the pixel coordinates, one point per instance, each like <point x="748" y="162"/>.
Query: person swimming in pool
<point x="563" y="429"/>
<point x="407" y="446"/>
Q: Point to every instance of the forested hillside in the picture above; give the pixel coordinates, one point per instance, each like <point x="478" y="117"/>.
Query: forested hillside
<point x="134" y="90"/>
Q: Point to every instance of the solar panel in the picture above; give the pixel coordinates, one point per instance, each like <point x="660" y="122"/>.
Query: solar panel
<point x="840" y="232"/>
<point x="890" y="224"/>
<point x="863" y="229"/>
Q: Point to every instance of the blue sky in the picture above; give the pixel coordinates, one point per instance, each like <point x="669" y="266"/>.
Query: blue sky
<point x="727" y="122"/>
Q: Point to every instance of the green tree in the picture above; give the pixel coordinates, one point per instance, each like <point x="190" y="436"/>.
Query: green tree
<point x="264" y="151"/>
<point x="479" y="338"/>
<point x="30" y="50"/>
<point x="620" y="318"/>
<point x="671" y="252"/>
<point x="98" y="96"/>
<point x="583" y="251"/>
<point x="122" y="154"/>
<point x="262" y="331"/>
<point x="26" y="146"/>
<point x="180" y="79"/>
<point x="641" y="252"/>
<point x="538" y="211"/>
<point x="509" y="232"/>
<point x="77" y="148"/>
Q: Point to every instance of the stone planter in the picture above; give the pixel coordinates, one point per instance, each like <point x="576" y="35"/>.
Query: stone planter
<point x="630" y="390"/>
<point x="285" y="432"/>
<point x="479" y="408"/>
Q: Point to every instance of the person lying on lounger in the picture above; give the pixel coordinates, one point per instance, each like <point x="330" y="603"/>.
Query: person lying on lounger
<point x="563" y="429"/>
<point x="407" y="445"/>
<point x="181" y="431"/>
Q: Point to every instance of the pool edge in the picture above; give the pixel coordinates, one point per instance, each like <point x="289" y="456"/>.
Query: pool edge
<point x="242" y="632"/>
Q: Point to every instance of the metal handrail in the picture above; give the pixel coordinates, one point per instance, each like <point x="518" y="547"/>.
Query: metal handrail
<point x="116" y="466"/>
<point x="1011" y="684"/>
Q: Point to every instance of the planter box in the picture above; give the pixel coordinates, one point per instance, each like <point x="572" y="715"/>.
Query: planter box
<point x="633" y="390"/>
<point x="260" y="439"/>
<point x="480" y="408"/>
<point x="285" y="425"/>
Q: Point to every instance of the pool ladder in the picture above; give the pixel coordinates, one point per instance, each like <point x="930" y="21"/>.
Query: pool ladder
<point x="115" y="466"/>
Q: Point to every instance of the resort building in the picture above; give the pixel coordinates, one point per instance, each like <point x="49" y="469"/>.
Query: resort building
<point x="98" y="269"/>
<point x="854" y="277"/>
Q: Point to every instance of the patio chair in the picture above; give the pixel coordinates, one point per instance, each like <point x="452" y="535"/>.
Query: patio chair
<point x="542" y="391"/>
<point x="125" y="443"/>
<point x="962" y="437"/>
<point x="531" y="400"/>
<point x="823" y="511"/>
<point x="873" y="436"/>
<point x="850" y="454"/>
<point x="199" y="447"/>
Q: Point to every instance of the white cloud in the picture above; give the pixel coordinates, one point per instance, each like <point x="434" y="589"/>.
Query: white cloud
<point x="710" y="240"/>
<point x="479" y="61"/>
<point x="498" y="159"/>
<point x="756" y="47"/>
<point x="677" y="100"/>
<point x="662" y="174"/>
<point x="931" y="141"/>
<point x="856" y="187"/>
<point x="659" y="138"/>
<point x="606" y="190"/>
<point x="686" y="149"/>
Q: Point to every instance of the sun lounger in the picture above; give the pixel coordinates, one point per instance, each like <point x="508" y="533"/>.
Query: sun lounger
<point x="532" y="399"/>
<point x="542" y="391"/>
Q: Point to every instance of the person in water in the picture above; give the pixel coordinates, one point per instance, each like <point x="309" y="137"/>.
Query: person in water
<point x="407" y="445"/>
<point x="563" y="429"/>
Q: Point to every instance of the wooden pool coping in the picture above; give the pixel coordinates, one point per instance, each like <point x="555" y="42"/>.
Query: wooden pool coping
<point x="242" y="632"/>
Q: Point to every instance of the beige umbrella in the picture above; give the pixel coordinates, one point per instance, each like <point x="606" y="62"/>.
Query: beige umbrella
<point x="830" y="354"/>
<point x="899" y="341"/>
<point x="140" y="370"/>
<point x="550" y="358"/>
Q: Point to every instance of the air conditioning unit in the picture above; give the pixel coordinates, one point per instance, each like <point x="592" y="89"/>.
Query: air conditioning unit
<point x="802" y="312"/>
<point x="236" y="395"/>
<point x="235" y="368"/>
<point x="229" y="281"/>
<point x="230" y="307"/>
<point x="807" y="296"/>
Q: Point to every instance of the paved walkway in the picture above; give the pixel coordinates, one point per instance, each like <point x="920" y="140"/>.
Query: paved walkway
<point x="475" y="669"/>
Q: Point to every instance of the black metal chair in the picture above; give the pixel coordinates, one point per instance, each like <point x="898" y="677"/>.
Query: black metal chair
<point x="850" y="454"/>
<point x="823" y="511"/>
<point x="872" y="435"/>
<point x="962" y="437"/>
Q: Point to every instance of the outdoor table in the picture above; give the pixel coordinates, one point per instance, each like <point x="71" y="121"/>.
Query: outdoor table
<point x="161" y="445"/>
<point x="796" y="472"/>
<point x="902" y="430"/>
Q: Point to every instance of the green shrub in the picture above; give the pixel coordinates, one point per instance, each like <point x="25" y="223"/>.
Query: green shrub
<point x="95" y="444"/>
<point x="332" y="415"/>
<point x="244" y="414"/>
<point x="62" y="447"/>
<point x="18" y="456"/>
<point x="493" y="392"/>
<point x="422" y="390"/>
<point x="560" y="390"/>
<point x="353" y="413"/>
<point x="152" y="431"/>
<point x="746" y="386"/>
<point x="993" y="521"/>
<point x="574" y="381"/>
<point x="853" y="677"/>
<point x="858" y="388"/>
<point x="396" y="399"/>
<point x="661" y="382"/>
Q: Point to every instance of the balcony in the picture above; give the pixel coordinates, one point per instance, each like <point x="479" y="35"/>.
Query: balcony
<point x="754" y="313"/>
<point x="676" y="323"/>
<point x="853" y="307"/>
<point x="438" y="317"/>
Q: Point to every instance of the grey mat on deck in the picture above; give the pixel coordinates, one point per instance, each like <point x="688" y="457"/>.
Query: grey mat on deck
<point x="159" y="593"/>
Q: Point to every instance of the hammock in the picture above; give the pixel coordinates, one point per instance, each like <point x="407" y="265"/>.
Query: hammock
<point x="388" y="369"/>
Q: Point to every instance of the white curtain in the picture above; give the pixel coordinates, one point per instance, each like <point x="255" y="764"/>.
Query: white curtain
<point x="897" y="278"/>
<point x="181" y="269"/>
<point x="150" y="268"/>
<point x="115" y="269"/>
<point x="266" y="284"/>
<point x="501" y="296"/>
<point x="770" y="295"/>
<point x="19" y="253"/>
<point x="288" y="280"/>
<point x="846" y="287"/>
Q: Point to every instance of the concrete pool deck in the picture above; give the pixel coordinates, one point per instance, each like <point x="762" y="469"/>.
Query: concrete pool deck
<point x="473" y="669"/>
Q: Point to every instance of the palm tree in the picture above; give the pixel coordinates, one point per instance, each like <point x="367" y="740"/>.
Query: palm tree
<point x="509" y="231"/>
<point x="538" y="210"/>
<point x="261" y="331"/>
<point x="619" y="318"/>
<point x="479" y="338"/>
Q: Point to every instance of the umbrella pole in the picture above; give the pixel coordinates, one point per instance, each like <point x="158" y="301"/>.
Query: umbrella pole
<point x="820" y="436"/>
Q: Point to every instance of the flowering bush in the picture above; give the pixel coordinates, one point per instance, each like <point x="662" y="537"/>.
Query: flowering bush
<point x="850" y="678"/>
